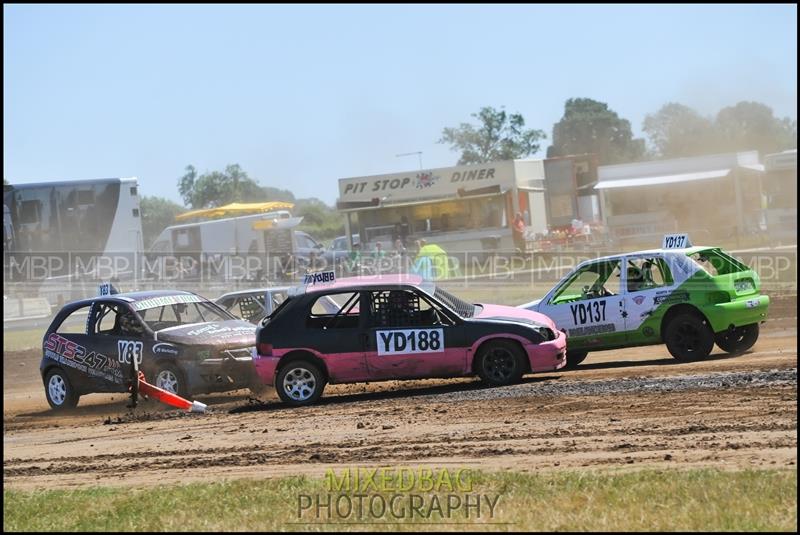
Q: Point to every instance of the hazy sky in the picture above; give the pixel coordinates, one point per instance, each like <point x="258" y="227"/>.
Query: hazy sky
<point x="300" y="96"/>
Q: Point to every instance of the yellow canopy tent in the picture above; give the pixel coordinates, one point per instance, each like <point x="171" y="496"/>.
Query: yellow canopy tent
<point x="234" y="209"/>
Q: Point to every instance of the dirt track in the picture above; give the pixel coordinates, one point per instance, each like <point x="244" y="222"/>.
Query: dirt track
<point x="627" y="409"/>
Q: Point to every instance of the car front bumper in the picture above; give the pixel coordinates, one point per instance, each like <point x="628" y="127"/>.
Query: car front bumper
<point x="548" y="356"/>
<point x="221" y="374"/>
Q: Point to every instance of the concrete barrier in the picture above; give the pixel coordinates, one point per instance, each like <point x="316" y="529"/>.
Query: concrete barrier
<point x="25" y="308"/>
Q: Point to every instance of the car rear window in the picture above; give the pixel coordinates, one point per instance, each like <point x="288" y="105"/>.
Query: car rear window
<point x="75" y="323"/>
<point x="278" y="310"/>
<point x="715" y="262"/>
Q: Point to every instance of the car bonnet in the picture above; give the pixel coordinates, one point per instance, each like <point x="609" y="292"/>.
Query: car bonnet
<point x="515" y="315"/>
<point x="231" y="333"/>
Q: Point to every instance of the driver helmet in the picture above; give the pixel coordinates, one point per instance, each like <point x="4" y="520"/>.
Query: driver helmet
<point x="398" y="300"/>
<point x="129" y="324"/>
<point x="635" y="274"/>
<point x="647" y="271"/>
<point x="402" y="307"/>
<point x="635" y="278"/>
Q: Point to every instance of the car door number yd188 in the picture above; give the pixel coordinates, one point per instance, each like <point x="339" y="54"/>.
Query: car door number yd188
<point x="401" y="342"/>
<point x="592" y="312"/>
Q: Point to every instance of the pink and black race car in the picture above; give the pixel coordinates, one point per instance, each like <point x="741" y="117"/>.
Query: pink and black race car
<point x="397" y="327"/>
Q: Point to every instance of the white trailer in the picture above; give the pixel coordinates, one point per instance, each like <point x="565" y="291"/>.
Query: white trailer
<point x="233" y="235"/>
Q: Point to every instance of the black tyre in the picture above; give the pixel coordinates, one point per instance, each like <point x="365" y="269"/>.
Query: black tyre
<point x="299" y="382"/>
<point x="171" y="378"/>
<point x="575" y="357"/>
<point x="500" y="363"/>
<point x="689" y="337"/>
<point x="59" y="391"/>
<point x="739" y="339"/>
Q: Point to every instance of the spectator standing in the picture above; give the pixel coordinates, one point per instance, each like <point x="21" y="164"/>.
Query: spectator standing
<point x="518" y="232"/>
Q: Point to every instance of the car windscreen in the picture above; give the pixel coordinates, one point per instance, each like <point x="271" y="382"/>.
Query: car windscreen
<point x="177" y="314"/>
<point x="459" y="306"/>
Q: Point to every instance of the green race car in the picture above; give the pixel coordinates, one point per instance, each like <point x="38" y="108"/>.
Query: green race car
<point x="686" y="297"/>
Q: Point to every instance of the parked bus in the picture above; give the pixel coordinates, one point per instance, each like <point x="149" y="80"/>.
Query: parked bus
<point x="56" y="233"/>
<point x="93" y="216"/>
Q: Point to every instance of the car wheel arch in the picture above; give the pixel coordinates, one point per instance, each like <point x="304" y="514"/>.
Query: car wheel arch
<point x="48" y="368"/>
<point x="486" y="341"/>
<point x="300" y="354"/>
<point x="151" y="364"/>
<point x="183" y="375"/>
<point x="71" y="395"/>
<point x="676" y="310"/>
<point x="52" y="367"/>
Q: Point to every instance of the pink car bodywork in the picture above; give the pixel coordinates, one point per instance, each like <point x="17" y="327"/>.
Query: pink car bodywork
<point x="546" y="356"/>
<point x="359" y="366"/>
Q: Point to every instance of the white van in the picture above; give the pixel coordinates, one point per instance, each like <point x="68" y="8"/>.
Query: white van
<point x="253" y="239"/>
<point x="233" y="235"/>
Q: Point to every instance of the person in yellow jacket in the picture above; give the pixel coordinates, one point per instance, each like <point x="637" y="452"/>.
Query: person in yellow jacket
<point x="432" y="263"/>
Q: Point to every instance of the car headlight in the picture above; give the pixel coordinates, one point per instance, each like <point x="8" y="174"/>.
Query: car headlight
<point x="546" y="333"/>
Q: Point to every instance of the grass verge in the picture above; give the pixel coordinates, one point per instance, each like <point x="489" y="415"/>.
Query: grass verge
<point x="19" y="340"/>
<point x="698" y="499"/>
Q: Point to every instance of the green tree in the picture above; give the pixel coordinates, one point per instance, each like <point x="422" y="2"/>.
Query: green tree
<point x="753" y="126"/>
<point x="277" y="194"/>
<point x="589" y="126"/>
<point x="186" y="185"/>
<point x="320" y="220"/>
<point x="677" y="131"/>
<point x="157" y="214"/>
<point x="218" y="188"/>
<point x="498" y="136"/>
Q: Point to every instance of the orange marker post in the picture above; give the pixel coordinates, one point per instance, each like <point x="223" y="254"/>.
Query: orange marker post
<point x="168" y="397"/>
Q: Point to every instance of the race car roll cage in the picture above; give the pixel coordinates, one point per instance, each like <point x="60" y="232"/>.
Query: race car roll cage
<point x="381" y="308"/>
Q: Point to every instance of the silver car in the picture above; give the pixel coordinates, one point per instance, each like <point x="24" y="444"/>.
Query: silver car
<point x="253" y="305"/>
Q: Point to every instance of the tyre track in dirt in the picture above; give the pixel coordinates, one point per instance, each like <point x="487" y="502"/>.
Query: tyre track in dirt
<point x="537" y="432"/>
<point x="621" y="410"/>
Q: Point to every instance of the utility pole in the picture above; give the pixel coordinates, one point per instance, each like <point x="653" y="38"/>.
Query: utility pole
<point x="418" y="153"/>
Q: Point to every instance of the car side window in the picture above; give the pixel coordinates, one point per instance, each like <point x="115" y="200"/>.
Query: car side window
<point x="75" y="323"/>
<point x="601" y="279"/>
<point x="106" y="320"/>
<point x="334" y="311"/>
<point x="403" y="308"/>
<point x="116" y="320"/>
<point x="647" y="273"/>
<point x="249" y="308"/>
